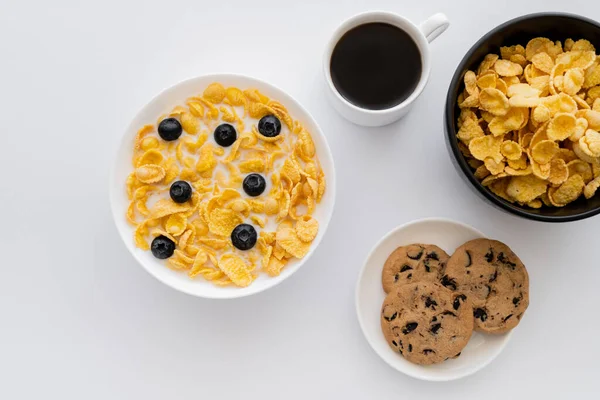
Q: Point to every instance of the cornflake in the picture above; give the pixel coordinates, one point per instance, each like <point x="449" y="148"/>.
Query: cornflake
<point x="529" y="122"/>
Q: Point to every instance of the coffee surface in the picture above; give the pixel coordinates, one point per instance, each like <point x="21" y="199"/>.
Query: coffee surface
<point x="376" y="66"/>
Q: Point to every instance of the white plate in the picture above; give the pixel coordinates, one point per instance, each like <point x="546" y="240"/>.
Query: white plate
<point x="162" y="104"/>
<point x="447" y="234"/>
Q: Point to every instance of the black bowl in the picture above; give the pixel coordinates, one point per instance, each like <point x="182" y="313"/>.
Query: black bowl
<point x="555" y="26"/>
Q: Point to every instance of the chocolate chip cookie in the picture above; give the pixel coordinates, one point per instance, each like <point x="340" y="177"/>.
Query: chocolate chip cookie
<point x="495" y="281"/>
<point x="413" y="263"/>
<point x="425" y="322"/>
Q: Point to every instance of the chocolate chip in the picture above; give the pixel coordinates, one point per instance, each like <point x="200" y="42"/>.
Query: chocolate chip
<point x="468" y="272"/>
<point x="400" y="351"/>
<point x="457" y="301"/>
<point x="393" y="317"/>
<point x="394" y="343"/>
<point x="504" y="260"/>
<point x="408" y="276"/>
<point x="507" y="318"/>
<point x="405" y="267"/>
<point x="410" y="348"/>
<point x="489" y="256"/>
<point x="493" y="278"/>
<point x="435" y="328"/>
<point x="396" y="277"/>
<point x="459" y="353"/>
<point x="469" y="260"/>
<point x="433" y="255"/>
<point x="429" y="302"/>
<point x="415" y="256"/>
<point x="516" y="301"/>
<point x="411" y="326"/>
<point x="449" y="313"/>
<point x="433" y="319"/>
<point x="427" y="351"/>
<point x="480" y="313"/>
<point x="427" y="266"/>
<point x="489" y="288"/>
<point x="450" y="283"/>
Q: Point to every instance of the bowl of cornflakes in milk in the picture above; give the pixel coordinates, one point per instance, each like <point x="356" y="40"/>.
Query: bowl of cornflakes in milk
<point x="223" y="186"/>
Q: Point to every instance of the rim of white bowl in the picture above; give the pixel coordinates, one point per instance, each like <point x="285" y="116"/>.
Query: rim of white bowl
<point x="323" y="225"/>
<point x="424" y="377"/>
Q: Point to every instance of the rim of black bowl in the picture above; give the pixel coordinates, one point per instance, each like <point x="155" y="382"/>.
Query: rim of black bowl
<point x="451" y="126"/>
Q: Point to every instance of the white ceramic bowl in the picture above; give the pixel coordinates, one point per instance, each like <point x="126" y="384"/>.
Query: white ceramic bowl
<point x="447" y="234"/>
<point x="162" y="104"/>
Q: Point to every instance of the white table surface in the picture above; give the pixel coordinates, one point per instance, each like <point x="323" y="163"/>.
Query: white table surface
<point x="79" y="319"/>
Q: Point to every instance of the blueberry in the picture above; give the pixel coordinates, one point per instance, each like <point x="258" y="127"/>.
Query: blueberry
<point x="269" y="126"/>
<point x="162" y="247"/>
<point x="169" y="129"/>
<point x="180" y="191"/>
<point x="225" y="135"/>
<point x="254" y="185"/>
<point x="244" y="237"/>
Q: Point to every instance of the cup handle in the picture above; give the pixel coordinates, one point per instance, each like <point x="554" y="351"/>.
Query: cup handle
<point x="434" y="26"/>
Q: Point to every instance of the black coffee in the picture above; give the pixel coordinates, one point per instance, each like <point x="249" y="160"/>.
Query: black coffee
<point x="376" y="66"/>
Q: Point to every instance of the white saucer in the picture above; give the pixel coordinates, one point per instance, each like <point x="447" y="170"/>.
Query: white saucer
<point x="447" y="234"/>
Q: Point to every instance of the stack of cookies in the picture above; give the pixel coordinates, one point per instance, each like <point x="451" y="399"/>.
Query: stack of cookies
<point x="434" y="301"/>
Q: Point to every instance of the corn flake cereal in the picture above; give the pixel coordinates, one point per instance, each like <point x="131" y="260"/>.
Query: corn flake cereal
<point x="307" y="228"/>
<point x="529" y="122"/>
<point x="236" y="269"/>
<point x="288" y="239"/>
<point x="201" y="225"/>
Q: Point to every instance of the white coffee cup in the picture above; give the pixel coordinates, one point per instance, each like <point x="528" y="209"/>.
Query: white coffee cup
<point x="422" y="34"/>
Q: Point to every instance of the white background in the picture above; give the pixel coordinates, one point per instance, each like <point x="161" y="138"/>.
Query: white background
<point x="79" y="319"/>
